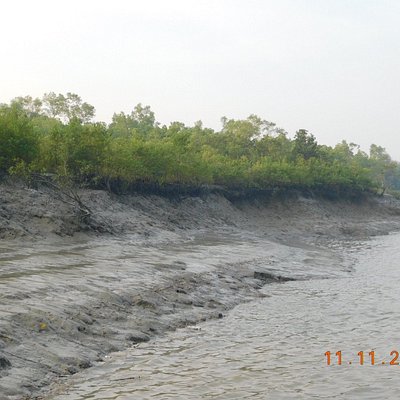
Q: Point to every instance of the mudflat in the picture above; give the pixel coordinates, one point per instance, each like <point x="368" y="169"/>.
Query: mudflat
<point x="73" y="290"/>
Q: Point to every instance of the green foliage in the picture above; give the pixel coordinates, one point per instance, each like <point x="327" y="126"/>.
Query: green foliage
<point x="140" y="122"/>
<point x="18" y="142"/>
<point x="54" y="135"/>
<point x="382" y="168"/>
<point x="304" y="145"/>
<point x="74" y="150"/>
<point x="67" y="108"/>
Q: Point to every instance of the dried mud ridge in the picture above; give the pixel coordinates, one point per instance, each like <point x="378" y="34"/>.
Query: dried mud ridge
<point x="54" y="323"/>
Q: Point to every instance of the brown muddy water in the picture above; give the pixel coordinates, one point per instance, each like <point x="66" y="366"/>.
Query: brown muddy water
<point x="274" y="347"/>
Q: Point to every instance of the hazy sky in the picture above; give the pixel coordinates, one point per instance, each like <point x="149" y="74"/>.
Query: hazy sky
<point x="329" y="66"/>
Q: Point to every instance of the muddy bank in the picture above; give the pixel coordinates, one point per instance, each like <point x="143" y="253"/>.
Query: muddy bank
<point x="73" y="290"/>
<point x="45" y="213"/>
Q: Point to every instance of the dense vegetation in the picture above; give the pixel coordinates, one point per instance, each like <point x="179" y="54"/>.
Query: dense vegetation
<point x="55" y="135"/>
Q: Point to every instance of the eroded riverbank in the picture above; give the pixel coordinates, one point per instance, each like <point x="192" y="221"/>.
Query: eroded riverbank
<point x="66" y="302"/>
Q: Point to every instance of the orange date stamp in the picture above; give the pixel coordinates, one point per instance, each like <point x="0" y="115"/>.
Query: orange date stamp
<point x="362" y="358"/>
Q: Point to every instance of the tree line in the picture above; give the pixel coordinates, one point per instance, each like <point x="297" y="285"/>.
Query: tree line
<point x="56" y="135"/>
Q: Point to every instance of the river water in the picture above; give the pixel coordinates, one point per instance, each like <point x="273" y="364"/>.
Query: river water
<point x="274" y="347"/>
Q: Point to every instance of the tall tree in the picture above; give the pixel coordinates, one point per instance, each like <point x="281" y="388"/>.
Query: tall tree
<point x="305" y="145"/>
<point x="67" y="108"/>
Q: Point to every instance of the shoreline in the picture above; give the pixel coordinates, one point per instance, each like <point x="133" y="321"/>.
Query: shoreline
<point x="69" y="301"/>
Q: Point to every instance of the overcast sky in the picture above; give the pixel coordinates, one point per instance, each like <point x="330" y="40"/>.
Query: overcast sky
<point x="329" y="66"/>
